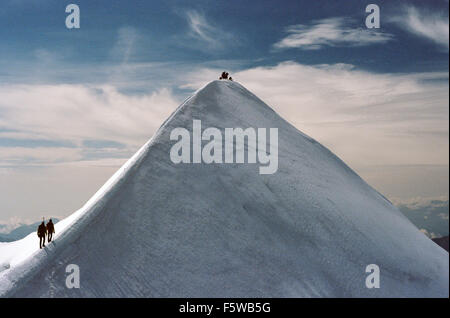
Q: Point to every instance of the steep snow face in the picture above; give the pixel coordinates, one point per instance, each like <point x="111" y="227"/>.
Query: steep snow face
<point x="159" y="229"/>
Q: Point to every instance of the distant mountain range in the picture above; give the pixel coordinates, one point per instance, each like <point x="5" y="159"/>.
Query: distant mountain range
<point x="21" y="231"/>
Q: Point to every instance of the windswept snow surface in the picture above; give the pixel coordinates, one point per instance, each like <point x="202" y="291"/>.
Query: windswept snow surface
<point x="159" y="229"/>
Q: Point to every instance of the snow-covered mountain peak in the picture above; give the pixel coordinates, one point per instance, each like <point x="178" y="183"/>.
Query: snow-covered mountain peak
<point x="160" y="228"/>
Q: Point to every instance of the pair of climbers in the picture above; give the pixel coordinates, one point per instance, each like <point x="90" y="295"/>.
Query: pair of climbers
<point x="225" y="76"/>
<point x="44" y="230"/>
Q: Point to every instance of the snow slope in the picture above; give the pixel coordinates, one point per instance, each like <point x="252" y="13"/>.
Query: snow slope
<point x="158" y="229"/>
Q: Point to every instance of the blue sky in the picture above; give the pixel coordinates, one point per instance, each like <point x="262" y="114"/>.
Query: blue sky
<point x="75" y="100"/>
<point x="244" y="32"/>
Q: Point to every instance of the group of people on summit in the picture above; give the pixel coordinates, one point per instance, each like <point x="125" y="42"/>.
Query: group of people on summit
<point x="225" y="76"/>
<point x="44" y="230"/>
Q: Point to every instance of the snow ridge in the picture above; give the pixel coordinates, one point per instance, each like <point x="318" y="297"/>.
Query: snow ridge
<point x="159" y="229"/>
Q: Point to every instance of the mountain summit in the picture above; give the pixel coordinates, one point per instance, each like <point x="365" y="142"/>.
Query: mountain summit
<point x="164" y="229"/>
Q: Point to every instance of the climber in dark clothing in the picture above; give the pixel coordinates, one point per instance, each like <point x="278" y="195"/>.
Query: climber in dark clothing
<point x="224" y="75"/>
<point x="50" y="230"/>
<point x="42" y="230"/>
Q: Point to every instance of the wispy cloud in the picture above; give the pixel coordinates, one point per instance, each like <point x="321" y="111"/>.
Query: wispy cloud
<point x="338" y="31"/>
<point x="204" y="31"/>
<point x="125" y="43"/>
<point x="79" y="115"/>
<point x="430" y="25"/>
